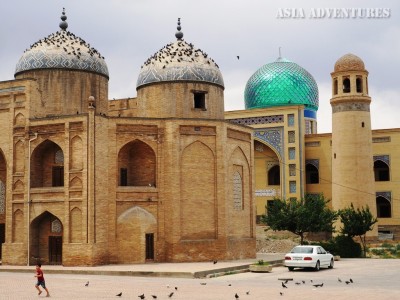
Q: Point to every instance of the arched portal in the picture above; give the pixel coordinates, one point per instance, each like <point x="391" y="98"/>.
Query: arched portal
<point x="45" y="239"/>
<point x="136" y="165"/>
<point x="47" y="165"/>
<point x="136" y="229"/>
<point x="268" y="176"/>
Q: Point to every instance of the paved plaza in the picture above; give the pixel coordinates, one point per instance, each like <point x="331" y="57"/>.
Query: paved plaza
<point x="372" y="279"/>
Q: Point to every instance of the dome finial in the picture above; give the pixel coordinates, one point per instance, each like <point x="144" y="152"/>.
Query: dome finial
<point x="280" y="55"/>
<point x="179" y="33"/>
<point x="63" y="23"/>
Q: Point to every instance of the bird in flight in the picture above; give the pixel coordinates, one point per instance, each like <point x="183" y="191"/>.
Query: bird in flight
<point x="87" y="283"/>
<point x="176" y="288"/>
<point x="170" y="295"/>
<point x="154" y="296"/>
<point x="237" y="56"/>
<point x="340" y="280"/>
<point x="203" y="283"/>
<point x="215" y="261"/>
<point x="141" y="296"/>
<point x="318" y="285"/>
<point x="236" y="296"/>
<point x="119" y="295"/>
<point x="351" y="280"/>
<point x="284" y="286"/>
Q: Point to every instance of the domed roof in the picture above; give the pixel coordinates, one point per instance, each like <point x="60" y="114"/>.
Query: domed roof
<point x="179" y="61"/>
<point x="281" y="83"/>
<point x="62" y="50"/>
<point x="349" y="62"/>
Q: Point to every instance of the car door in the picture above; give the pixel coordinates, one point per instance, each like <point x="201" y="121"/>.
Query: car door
<point x="323" y="256"/>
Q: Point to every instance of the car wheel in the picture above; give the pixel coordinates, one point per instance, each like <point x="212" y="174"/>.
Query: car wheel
<point x="291" y="268"/>
<point x="317" y="266"/>
<point x="331" y="264"/>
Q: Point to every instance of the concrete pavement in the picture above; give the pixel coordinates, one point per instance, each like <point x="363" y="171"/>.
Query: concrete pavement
<point x="372" y="279"/>
<point x="178" y="270"/>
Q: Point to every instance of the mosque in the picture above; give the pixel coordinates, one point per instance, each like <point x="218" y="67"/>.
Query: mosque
<point x="169" y="176"/>
<point x="162" y="177"/>
<point x="353" y="164"/>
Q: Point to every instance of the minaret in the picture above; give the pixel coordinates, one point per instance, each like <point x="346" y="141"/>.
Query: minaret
<point x="352" y="159"/>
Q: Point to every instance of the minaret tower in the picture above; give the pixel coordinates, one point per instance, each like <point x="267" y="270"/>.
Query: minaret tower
<point x="352" y="159"/>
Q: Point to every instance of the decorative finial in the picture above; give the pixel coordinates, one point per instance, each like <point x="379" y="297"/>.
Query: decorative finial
<point x="63" y="23"/>
<point x="179" y="33"/>
<point x="280" y="55"/>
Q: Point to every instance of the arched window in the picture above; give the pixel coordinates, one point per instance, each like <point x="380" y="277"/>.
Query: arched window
<point x="274" y="176"/>
<point x="359" y="86"/>
<point x="237" y="191"/>
<point x="335" y="86"/>
<point x="383" y="207"/>
<point x="346" y="85"/>
<point x="381" y="171"/>
<point x="312" y="174"/>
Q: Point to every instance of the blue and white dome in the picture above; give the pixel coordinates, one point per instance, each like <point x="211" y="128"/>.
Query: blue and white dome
<point x="62" y="50"/>
<point x="179" y="61"/>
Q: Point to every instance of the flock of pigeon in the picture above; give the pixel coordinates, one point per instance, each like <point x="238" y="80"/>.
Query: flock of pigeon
<point x="284" y="284"/>
<point x="69" y="42"/>
<point x="179" y="51"/>
<point x="315" y="285"/>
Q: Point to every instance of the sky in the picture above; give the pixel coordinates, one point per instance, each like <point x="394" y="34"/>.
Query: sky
<point x="313" y="34"/>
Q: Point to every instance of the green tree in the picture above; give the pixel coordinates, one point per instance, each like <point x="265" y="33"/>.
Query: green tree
<point x="309" y="214"/>
<point x="357" y="222"/>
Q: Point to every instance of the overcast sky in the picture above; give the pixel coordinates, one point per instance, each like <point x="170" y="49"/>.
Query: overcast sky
<point x="127" y="32"/>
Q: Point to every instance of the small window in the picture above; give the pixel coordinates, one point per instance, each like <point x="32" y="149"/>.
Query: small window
<point x="346" y="85"/>
<point x="199" y="100"/>
<point x="123" y="181"/>
<point x="362" y="124"/>
<point x="291" y="137"/>
<point x="335" y="86"/>
<point x="383" y="207"/>
<point x="359" y="85"/>
<point x="312" y="174"/>
<point x="381" y="171"/>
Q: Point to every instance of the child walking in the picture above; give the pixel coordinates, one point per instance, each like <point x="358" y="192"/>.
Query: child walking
<point x="40" y="280"/>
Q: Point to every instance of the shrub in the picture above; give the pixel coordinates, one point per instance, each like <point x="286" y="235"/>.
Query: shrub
<point x="346" y="247"/>
<point x="386" y="245"/>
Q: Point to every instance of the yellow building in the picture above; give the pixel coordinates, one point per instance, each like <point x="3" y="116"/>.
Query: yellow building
<point x="87" y="181"/>
<point x="354" y="164"/>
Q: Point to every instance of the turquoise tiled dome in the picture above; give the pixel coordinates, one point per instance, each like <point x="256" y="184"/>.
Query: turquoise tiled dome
<point x="281" y="83"/>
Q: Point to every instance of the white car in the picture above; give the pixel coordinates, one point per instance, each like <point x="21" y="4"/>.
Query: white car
<point x="308" y="256"/>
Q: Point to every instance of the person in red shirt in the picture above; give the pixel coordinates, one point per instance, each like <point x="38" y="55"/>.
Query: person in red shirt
<point x="40" y="280"/>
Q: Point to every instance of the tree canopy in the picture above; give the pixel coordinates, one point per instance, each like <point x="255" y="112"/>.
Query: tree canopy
<point x="357" y="222"/>
<point x="309" y="214"/>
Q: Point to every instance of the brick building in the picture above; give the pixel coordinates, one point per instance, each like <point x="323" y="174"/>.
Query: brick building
<point x="87" y="181"/>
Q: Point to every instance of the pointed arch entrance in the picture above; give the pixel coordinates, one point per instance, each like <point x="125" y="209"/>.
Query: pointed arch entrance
<point x="269" y="176"/>
<point x="46" y="233"/>
<point x="136" y="229"/>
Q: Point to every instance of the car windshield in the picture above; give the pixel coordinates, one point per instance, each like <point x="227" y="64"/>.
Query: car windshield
<point x="302" y="250"/>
